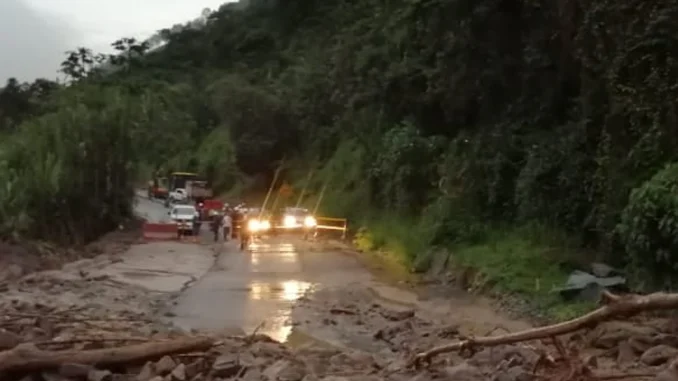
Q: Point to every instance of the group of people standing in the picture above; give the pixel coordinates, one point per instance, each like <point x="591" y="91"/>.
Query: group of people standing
<point x="225" y="225"/>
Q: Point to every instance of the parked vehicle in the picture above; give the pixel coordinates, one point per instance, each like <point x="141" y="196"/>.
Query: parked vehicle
<point x="157" y="188"/>
<point x="177" y="196"/>
<point x="183" y="216"/>
<point x="198" y="190"/>
<point x="179" y="179"/>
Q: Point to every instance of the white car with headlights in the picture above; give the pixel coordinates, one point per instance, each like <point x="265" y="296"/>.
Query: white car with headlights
<point x="257" y="222"/>
<point x="296" y="220"/>
<point x="183" y="216"/>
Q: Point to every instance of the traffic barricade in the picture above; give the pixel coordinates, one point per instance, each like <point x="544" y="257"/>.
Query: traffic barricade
<point x="160" y="231"/>
<point x="329" y="224"/>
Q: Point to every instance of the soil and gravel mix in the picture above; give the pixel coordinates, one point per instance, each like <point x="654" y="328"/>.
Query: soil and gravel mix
<point x="107" y="331"/>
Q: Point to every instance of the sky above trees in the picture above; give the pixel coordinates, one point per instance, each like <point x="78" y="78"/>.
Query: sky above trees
<point x="34" y="34"/>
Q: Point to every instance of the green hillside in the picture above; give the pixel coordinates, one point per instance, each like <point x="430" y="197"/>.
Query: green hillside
<point x="435" y="123"/>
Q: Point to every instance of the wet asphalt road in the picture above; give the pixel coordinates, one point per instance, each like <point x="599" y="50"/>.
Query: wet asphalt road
<point x="257" y="288"/>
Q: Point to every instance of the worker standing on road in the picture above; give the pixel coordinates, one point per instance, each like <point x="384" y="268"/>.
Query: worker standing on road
<point x="196" y="226"/>
<point x="227" y="223"/>
<point x="215" y="224"/>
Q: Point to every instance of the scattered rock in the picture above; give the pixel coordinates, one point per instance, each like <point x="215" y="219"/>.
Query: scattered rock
<point x="194" y="368"/>
<point x="668" y="374"/>
<point x="464" y="372"/>
<point x="608" y="335"/>
<point x="9" y="340"/>
<point x="658" y="355"/>
<point x="147" y="372"/>
<point x="165" y="365"/>
<point x="99" y="375"/>
<point x="70" y="370"/>
<point x="179" y="373"/>
<point x="625" y="353"/>
<point x="394" y="315"/>
<point x="284" y="370"/>
<point x="226" y="365"/>
<point x="515" y="373"/>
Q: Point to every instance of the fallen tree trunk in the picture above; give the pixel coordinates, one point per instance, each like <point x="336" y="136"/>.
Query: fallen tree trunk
<point x="613" y="306"/>
<point x="27" y="357"/>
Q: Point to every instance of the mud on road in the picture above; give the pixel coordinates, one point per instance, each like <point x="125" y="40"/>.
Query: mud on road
<point x="339" y="321"/>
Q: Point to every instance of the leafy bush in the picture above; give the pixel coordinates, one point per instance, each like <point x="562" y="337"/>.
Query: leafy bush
<point x="649" y="228"/>
<point x="69" y="176"/>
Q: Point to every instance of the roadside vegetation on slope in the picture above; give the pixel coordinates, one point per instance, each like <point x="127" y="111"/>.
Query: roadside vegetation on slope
<point x="425" y="129"/>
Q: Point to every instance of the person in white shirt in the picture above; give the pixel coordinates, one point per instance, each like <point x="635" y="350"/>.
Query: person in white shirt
<point x="227" y="223"/>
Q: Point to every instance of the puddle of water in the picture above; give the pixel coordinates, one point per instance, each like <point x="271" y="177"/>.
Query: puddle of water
<point x="281" y="295"/>
<point x="290" y="290"/>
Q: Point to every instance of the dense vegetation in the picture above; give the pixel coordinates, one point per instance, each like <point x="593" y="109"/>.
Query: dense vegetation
<point x="431" y="123"/>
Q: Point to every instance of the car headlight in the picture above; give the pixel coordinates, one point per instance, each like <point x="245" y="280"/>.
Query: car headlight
<point x="289" y="221"/>
<point x="265" y="225"/>
<point x="253" y="225"/>
<point x="310" y="222"/>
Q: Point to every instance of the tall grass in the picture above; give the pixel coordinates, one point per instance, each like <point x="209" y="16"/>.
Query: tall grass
<point x="68" y="176"/>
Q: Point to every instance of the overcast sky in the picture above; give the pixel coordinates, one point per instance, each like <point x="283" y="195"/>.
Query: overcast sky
<point x="34" y="34"/>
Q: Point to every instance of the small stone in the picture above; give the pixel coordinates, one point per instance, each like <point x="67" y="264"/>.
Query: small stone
<point x="668" y="374"/>
<point x="9" y="340"/>
<point x="252" y="374"/>
<point x="179" y="373"/>
<point x="165" y="365"/>
<point x="658" y="355"/>
<point x="513" y="374"/>
<point x="72" y="370"/>
<point x="641" y="344"/>
<point x="394" y="315"/>
<point x="147" y="372"/>
<point x="194" y="368"/>
<point x="99" y="375"/>
<point x="464" y="372"/>
<point x="284" y="370"/>
<point x="608" y="335"/>
<point x="226" y="365"/>
<point x="46" y="376"/>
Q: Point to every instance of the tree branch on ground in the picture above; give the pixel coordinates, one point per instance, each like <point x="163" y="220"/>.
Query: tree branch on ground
<point x="613" y="306"/>
<point x="27" y="357"/>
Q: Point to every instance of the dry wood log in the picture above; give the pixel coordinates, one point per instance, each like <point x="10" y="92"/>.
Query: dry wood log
<point x="27" y="357"/>
<point x="614" y="306"/>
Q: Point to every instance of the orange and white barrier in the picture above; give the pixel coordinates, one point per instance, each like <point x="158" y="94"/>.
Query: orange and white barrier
<point x="160" y="231"/>
<point x="333" y="224"/>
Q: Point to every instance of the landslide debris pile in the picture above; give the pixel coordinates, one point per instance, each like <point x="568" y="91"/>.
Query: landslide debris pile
<point x="40" y="342"/>
<point x="46" y="343"/>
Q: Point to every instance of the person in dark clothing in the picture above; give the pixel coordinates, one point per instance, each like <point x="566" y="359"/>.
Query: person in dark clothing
<point x="216" y="224"/>
<point x="236" y="217"/>
<point x="196" y="226"/>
